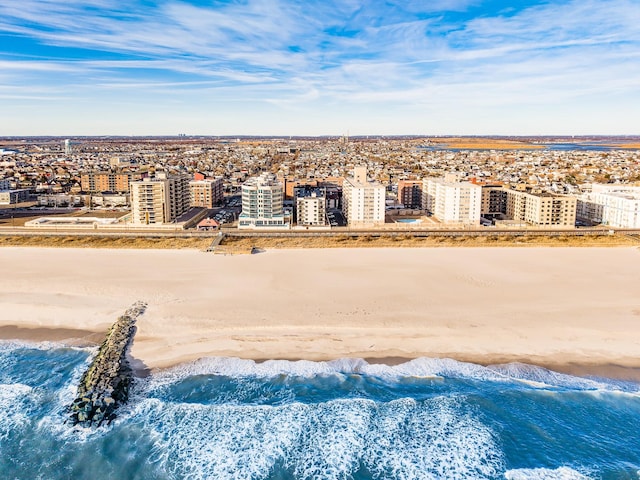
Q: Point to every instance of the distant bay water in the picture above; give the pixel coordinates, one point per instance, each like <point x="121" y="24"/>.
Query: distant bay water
<point x="226" y="418"/>
<point x="594" y="147"/>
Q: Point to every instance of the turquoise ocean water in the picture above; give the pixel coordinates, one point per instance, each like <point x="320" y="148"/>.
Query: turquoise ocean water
<point x="225" y="418"/>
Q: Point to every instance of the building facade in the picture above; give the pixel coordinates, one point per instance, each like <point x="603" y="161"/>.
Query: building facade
<point x="410" y="193"/>
<point x="5" y="184"/>
<point x="98" y="182"/>
<point x="611" y="204"/>
<point x="262" y="199"/>
<point x="537" y="208"/>
<point x="541" y="209"/>
<point x="159" y="200"/>
<point x="311" y="206"/>
<point x="452" y="201"/>
<point x="206" y="193"/>
<point x="363" y="201"/>
<point x="12" y="197"/>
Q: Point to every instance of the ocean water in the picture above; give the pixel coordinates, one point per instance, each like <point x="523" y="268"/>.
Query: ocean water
<point x="225" y="418"/>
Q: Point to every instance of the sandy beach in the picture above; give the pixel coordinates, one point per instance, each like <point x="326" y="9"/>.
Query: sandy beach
<point x="549" y="306"/>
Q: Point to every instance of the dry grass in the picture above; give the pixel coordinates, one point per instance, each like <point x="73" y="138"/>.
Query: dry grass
<point x="485" y="144"/>
<point x="104" y="242"/>
<point x="623" y="146"/>
<point x="240" y="245"/>
<point x="345" y="241"/>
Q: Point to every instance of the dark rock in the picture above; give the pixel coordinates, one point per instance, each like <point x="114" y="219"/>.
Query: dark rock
<point x="105" y="385"/>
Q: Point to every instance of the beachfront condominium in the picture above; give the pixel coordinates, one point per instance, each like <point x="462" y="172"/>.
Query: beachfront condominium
<point x="363" y="201"/>
<point x="262" y="198"/>
<point x="541" y="209"/>
<point x="160" y="199"/>
<point x="410" y="193"/>
<point x="311" y="206"/>
<point x="614" y="205"/>
<point x="452" y="201"/>
<point x="206" y="193"/>
<point x="531" y="206"/>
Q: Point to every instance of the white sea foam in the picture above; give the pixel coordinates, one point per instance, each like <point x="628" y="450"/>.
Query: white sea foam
<point x="403" y="439"/>
<point x="236" y="367"/>
<point x="533" y="376"/>
<point x="562" y="473"/>
<point x="544" y="378"/>
<point x="436" y="439"/>
<point x="16" y="403"/>
<point x="222" y="441"/>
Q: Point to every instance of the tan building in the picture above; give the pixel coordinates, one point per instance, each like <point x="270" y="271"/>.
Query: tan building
<point x="494" y="201"/>
<point x="363" y="201"/>
<point x="97" y="182"/>
<point x="159" y="200"/>
<point x="206" y="193"/>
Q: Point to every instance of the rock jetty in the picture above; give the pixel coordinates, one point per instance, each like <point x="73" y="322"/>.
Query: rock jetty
<point x="105" y="385"/>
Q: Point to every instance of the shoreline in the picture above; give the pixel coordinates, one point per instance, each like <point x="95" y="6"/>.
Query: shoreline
<point x="573" y="309"/>
<point x="607" y="369"/>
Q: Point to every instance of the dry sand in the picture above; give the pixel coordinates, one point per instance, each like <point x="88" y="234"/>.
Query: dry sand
<point x="561" y="306"/>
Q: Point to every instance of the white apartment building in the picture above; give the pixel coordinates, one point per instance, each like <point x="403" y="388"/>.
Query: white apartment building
<point x="311" y="207"/>
<point x="262" y="198"/>
<point x="611" y="204"/>
<point x="452" y="201"/>
<point x="159" y="200"/>
<point x="205" y="193"/>
<point x="363" y="201"/>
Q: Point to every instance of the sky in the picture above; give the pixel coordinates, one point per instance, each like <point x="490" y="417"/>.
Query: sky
<point x="319" y="67"/>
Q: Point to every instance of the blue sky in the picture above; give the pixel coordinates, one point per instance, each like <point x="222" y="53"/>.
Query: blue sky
<point x="319" y="67"/>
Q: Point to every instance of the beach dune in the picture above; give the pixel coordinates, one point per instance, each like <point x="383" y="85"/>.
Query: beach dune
<point x="548" y="306"/>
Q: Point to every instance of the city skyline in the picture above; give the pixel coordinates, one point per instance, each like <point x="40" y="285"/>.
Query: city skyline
<point x="319" y="68"/>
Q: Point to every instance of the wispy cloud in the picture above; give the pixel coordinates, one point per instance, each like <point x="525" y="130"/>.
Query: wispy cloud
<point x="327" y="54"/>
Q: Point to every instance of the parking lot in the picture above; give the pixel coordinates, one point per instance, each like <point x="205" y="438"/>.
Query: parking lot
<point x="336" y="218"/>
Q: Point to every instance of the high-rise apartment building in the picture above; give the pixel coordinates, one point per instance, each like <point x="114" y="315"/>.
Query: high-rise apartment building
<point x="262" y="198"/>
<point x="206" y="193"/>
<point x="363" y="201"/>
<point x="410" y="193"/>
<point x="311" y="206"/>
<point x="611" y="204"/>
<point x="452" y="201"/>
<point x="159" y="200"/>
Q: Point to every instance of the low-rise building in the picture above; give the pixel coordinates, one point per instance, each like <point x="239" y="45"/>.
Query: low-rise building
<point x="12" y="197"/>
